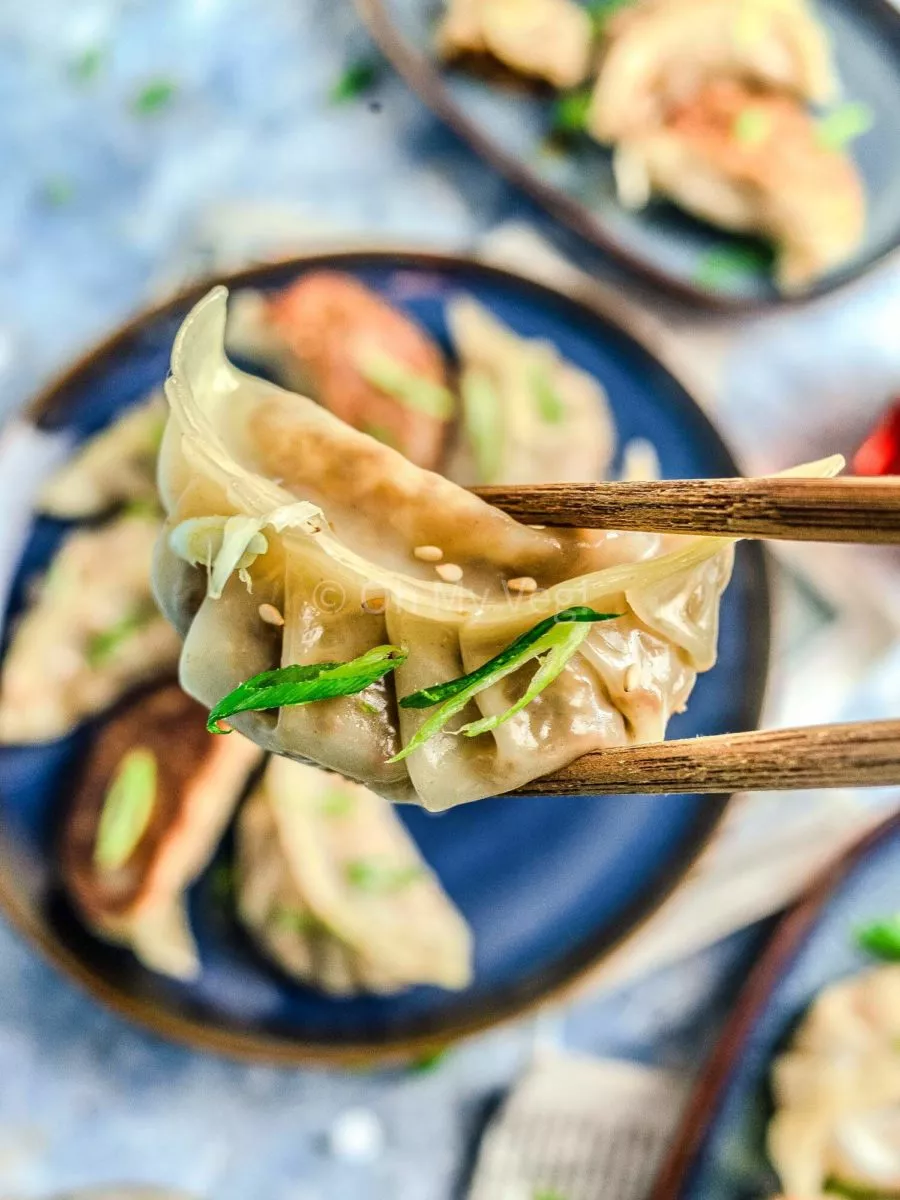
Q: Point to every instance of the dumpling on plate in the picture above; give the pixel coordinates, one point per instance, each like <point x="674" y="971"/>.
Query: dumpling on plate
<point x="114" y="467"/>
<point x="837" y="1092"/>
<point x="753" y="163"/>
<point x="528" y="415"/>
<point x="91" y="632"/>
<point x="550" y="40"/>
<point x="365" y="361"/>
<point x="661" y="52"/>
<point x="336" y="892"/>
<point x="397" y="619"/>
<point x="152" y="803"/>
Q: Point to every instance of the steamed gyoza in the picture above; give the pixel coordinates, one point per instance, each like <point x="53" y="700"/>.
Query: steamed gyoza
<point x="546" y="39"/>
<point x="837" y="1092"/>
<point x="90" y="632"/>
<point x="116" y="466"/>
<point x="152" y="803"/>
<point x="334" y="889"/>
<point x="662" y="52"/>
<point x="274" y="502"/>
<point x="529" y="416"/>
<point x="752" y="162"/>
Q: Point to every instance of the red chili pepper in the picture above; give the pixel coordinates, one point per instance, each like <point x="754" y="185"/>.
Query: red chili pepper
<point x="880" y="452"/>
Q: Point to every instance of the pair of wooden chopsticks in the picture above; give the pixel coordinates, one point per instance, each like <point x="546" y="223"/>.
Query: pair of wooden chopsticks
<point x="863" y="754"/>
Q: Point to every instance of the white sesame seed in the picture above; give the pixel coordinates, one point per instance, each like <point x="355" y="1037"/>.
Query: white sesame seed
<point x="523" y="584"/>
<point x="449" y="572"/>
<point x="430" y="554"/>
<point x="270" y="614"/>
<point x="356" y="1136"/>
<point x="538" y="527"/>
<point x="632" y="677"/>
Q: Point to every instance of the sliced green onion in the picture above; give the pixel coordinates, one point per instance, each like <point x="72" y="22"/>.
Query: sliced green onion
<point x="602" y="10"/>
<point x="358" y="78"/>
<point x="752" y="126"/>
<point x="483" y="419"/>
<point x="57" y="191"/>
<point x="395" y="378"/>
<point x="548" y="1194"/>
<point x="145" y="508"/>
<point x="724" y="266"/>
<point x="882" y="938"/>
<point x="102" y="646"/>
<point x="373" y="875"/>
<point x="367" y="707"/>
<point x="550" y="406"/>
<point x="127" y="809"/>
<point x="286" y="686"/>
<point x="222" y="884"/>
<point x="456" y="694"/>
<point x="381" y="433"/>
<point x="337" y="803"/>
<point x="843" y="125"/>
<point x="87" y="65"/>
<point x="297" y="920"/>
<point x="566" y="641"/>
<point x="429" y="1062"/>
<point x="570" y="112"/>
<point x="157" y="95"/>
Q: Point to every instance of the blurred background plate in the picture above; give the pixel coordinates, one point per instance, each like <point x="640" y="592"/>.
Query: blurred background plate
<point x="509" y="126"/>
<point x="550" y="886"/>
<point x="720" y="1151"/>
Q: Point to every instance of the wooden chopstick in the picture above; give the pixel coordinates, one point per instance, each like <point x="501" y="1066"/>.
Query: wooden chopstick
<point x="865" y="754"/>
<point x="804" y="510"/>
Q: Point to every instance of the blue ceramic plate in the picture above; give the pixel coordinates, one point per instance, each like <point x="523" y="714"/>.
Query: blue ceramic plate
<point x="509" y="127"/>
<point x="549" y="885"/>
<point x="720" y="1152"/>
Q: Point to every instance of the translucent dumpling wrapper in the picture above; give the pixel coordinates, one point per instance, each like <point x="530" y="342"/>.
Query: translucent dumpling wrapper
<point x="837" y="1092"/>
<point x="661" y="52"/>
<point x="336" y="892"/>
<point x="363" y="359"/>
<point x="91" y="631"/>
<point x="756" y="164"/>
<point x="116" y="466"/>
<point x="528" y="415"/>
<point x="551" y="40"/>
<point x="237" y="445"/>
<point x="137" y="899"/>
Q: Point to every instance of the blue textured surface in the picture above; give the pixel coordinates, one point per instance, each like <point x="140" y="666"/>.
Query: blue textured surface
<point x="536" y="914"/>
<point x="731" y="1164"/>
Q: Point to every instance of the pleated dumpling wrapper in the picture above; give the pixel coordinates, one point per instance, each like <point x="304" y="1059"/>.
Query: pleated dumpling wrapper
<point x="660" y="52"/>
<point x="837" y="1093"/>
<point x="336" y="892"/>
<point x="147" y="813"/>
<point x="293" y="539"/>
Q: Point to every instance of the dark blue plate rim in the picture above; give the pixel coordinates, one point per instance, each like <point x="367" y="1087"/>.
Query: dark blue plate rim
<point x="572" y="972"/>
<point x="701" y="1115"/>
<point x="426" y="79"/>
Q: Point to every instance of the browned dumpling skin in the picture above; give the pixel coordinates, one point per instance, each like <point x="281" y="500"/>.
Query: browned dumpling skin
<point x="331" y="323"/>
<point x="549" y="40"/>
<point x="660" y="52"/>
<point x="199" y="779"/>
<point x="753" y="162"/>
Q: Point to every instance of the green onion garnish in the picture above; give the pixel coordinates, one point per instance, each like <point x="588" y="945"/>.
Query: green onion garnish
<point x="86" y="66"/>
<point x="127" y="809"/>
<point x="372" y="875"/>
<point x="298" y="684"/>
<point x="456" y="694"/>
<point x="602" y="10"/>
<point x="156" y="96"/>
<point x="545" y="1194"/>
<point x="724" y="266"/>
<point x="843" y="125"/>
<point x="483" y="419"/>
<point x="58" y="191"/>
<point x="336" y="803"/>
<point x="570" y="112"/>
<point x="550" y="406"/>
<point x="358" y="78"/>
<point x="380" y="433"/>
<point x="102" y="646"/>
<point x="297" y="920"/>
<point x="396" y="379"/>
<point x="429" y="1062"/>
<point x="752" y="126"/>
<point x="882" y="938"/>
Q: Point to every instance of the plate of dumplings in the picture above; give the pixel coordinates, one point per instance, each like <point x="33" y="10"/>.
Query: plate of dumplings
<point x="734" y="152"/>
<point x="270" y="668"/>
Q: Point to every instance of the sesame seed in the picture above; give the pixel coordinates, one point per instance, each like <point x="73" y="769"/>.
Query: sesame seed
<point x="523" y="584"/>
<point x="632" y="677"/>
<point x="270" y="614"/>
<point x="449" y="572"/>
<point x="538" y="527"/>
<point x="430" y="554"/>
